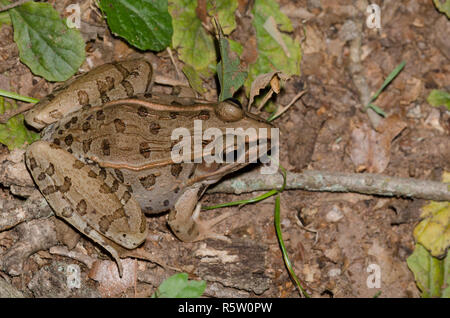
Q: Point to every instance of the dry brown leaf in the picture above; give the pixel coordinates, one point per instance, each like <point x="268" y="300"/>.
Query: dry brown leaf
<point x="261" y="82"/>
<point x="370" y="149"/>
<point x="110" y="283"/>
<point x="271" y="27"/>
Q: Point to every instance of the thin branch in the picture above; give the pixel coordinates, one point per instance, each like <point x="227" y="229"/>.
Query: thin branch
<point x="366" y="183"/>
<point x="13" y="5"/>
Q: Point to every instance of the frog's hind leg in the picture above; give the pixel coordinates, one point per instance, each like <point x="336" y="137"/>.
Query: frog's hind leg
<point x="184" y="219"/>
<point x="93" y="202"/>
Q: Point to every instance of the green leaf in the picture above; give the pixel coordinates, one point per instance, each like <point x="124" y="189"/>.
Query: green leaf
<point x="145" y="24"/>
<point x="178" y="286"/>
<point x="229" y="70"/>
<point x="276" y="51"/>
<point x="224" y="10"/>
<point x="433" y="232"/>
<point x="194" y="79"/>
<point x="388" y="80"/>
<point x="438" y="98"/>
<point x="46" y="44"/>
<point x="4" y="18"/>
<point x="195" y="46"/>
<point x="442" y="6"/>
<point x="18" y="97"/>
<point x="431" y="274"/>
<point x="377" y="109"/>
<point x="14" y="134"/>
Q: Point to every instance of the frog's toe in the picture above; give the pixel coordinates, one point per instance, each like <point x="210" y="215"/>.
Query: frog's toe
<point x="203" y="228"/>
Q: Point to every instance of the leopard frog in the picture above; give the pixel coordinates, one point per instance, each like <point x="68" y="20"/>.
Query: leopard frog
<point x="104" y="159"/>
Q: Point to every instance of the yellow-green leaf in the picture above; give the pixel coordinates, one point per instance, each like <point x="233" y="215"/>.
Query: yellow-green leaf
<point x="224" y="11"/>
<point x="432" y="275"/>
<point x="443" y="6"/>
<point x="194" y="45"/>
<point x="438" y="98"/>
<point x="179" y="286"/>
<point x="13" y="133"/>
<point x="194" y="79"/>
<point x="277" y="51"/>
<point x="433" y="232"/>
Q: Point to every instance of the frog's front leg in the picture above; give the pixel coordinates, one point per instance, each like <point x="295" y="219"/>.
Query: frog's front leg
<point x="87" y="197"/>
<point x="184" y="218"/>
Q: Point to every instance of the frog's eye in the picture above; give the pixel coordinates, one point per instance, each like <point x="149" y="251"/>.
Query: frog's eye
<point x="230" y="110"/>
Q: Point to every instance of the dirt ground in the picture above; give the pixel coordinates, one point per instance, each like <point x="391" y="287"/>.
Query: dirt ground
<point x="342" y="234"/>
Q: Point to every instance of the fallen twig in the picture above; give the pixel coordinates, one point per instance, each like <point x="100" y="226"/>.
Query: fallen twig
<point x="324" y="181"/>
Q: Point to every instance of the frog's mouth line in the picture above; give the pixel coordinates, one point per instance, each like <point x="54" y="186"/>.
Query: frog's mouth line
<point x="221" y="169"/>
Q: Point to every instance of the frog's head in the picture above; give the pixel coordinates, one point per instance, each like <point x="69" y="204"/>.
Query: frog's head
<point x="236" y="139"/>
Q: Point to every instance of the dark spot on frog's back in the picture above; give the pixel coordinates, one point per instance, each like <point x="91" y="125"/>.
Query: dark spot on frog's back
<point x="154" y="128"/>
<point x="104" y="188"/>
<point x="142" y="111"/>
<point x="86" y="126"/>
<point x="100" y="115"/>
<point x="102" y="173"/>
<point x="78" y="164"/>
<point x="104" y="98"/>
<point x="41" y="176"/>
<point x="33" y="164"/>
<point x="106" y="150"/>
<point x="49" y="190"/>
<point x="110" y="82"/>
<point x="166" y="203"/>
<point x="104" y="224"/>
<point x="50" y="169"/>
<point x="87" y="230"/>
<point x="123" y="71"/>
<point x="83" y="98"/>
<point x="56" y="141"/>
<point x="148" y="181"/>
<point x="92" y="174"/>
<point x="115" y="186"/>
<point x="119" y="125"/>
<point x="87" y="145"/>
<point x="105" y="86"/>
<point x="67" y="212"/>
<point x="128" y="88"/>
<point x="173" y="115"/>
<point x="66" y="185"/>
<point x="68" y="140"/>
<point x="144" y="149"/>
<point x="119" y="175"/>
<point x="176" y="169"/>
<point x="81" y="207"/>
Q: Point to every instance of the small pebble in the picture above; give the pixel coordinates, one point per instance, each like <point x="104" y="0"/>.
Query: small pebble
<point x="334" y="215"/>
<point x="334" y="272"/>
